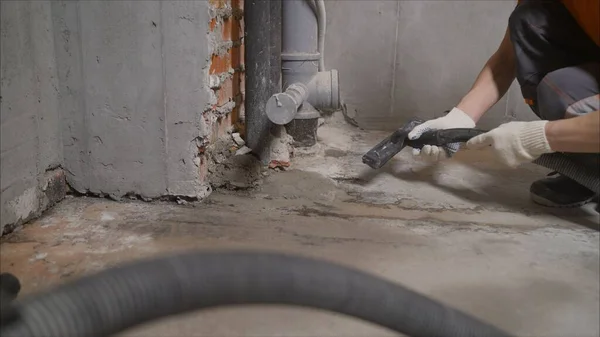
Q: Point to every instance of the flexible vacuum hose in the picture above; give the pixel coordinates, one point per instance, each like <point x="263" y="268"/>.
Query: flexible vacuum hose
<point x="120" y="298"/>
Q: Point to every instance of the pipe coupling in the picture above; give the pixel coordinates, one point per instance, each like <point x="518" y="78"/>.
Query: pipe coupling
<point x="324" y="90"/>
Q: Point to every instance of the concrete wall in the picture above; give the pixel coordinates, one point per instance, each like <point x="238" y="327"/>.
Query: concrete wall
<point x="124" y="97"/>
<point x="399" y="59"/>
<point x="30" y="144"/>
<point x="146" y="87"/>
<point x="133" y="79"/>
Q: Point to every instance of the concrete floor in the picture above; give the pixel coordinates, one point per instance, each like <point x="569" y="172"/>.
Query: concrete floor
<point x="463" y="232"/>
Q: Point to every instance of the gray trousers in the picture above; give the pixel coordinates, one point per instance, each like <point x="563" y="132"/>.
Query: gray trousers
<point x="558" y="65"/>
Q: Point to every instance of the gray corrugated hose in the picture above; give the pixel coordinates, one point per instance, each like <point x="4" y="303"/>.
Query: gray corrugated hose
<point x="120" y="298"/>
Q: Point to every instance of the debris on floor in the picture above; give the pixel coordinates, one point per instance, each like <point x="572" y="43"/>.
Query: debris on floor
<point x="243" y="150"/>
<point x="231" y="167"/>
<point x="237" y="139"/>
<point x="410" y="222"/>
<point x="282" y="150"/>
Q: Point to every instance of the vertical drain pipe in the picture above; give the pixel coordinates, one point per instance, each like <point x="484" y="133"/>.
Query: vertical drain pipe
<point x="300" y="62"/>
<point x="299" y="48"/>
<point x="263" y="69"/>
<point x="300" y="73"/>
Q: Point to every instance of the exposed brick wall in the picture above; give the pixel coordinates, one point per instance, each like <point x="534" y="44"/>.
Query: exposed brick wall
<point x="227" y="67"/>
<point x="226" y="79"/>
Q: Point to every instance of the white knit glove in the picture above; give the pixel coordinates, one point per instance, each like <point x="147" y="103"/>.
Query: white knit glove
<point x="514" y="143"/>
<point x="456" y="118"/>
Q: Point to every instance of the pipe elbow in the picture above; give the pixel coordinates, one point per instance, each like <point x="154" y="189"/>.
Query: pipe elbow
<point x="282" y="107"/>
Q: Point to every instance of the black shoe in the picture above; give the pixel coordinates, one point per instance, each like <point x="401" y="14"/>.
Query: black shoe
<point x="560" y="192"/>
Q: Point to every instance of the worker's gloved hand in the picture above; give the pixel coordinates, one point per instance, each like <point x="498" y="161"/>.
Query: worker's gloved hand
<point x="514" y="143"/>
<point x="456" y="118"/>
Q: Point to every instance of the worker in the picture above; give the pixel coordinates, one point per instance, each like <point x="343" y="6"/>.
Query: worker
<point x="552" y="48"/>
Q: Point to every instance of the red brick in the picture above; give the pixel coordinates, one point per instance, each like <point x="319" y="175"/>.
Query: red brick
<point x="203" y="168"/>
<point x="218" y="3"/>
<point x="279" y="164"/>
<point x="228" y="28"/>
<point x="229" y="90"/>
<point x="225" y="93"/>
<point x="236" y="57"/>
<point x="238" y="4"/>
<point x="242" y="54"/>
<point x="224" y="125"/>
<point x="212" y="24"/>
<point x="236" y="83"/>
<point x="220" y="64"/>
<point x="220" y="127"/>
<point x="242" y="28"/>
<point x="232" y="29"/>
<point x="236" y="32"/>
<point x="235" y="116"/>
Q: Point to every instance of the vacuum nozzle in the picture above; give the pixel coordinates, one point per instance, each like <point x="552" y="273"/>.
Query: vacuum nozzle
<point x="394" y="143"/>
<point x="389" y="147"/>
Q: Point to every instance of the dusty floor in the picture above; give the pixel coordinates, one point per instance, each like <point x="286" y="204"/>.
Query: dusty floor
<point x="463" y="232"/>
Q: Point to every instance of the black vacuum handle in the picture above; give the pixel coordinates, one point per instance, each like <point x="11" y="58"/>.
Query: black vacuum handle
<point x="444" y="137"/>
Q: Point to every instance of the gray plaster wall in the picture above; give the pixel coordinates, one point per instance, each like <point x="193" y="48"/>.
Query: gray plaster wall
<point x="399" y="59"/>
<point x="133" y="85"/>
<point x="30" y="144"/>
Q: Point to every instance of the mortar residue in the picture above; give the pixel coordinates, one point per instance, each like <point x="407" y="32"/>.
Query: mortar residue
<point x="282" y="150"/>
<point x="231" y="171"/>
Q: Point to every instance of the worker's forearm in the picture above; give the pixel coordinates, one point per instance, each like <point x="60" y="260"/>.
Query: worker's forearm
<point x="492" y="83"/>
<point x="579" y="134"/>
